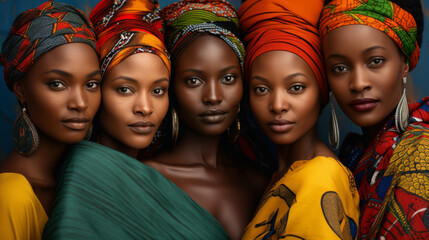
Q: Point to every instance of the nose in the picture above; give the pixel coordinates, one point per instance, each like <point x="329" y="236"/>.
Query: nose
<point x="143" y="105"/>
<point x="359" y="80"/>
<point x="212" y="93"/>
<point x="78" y="99"/>
<point x="278" y="101"/>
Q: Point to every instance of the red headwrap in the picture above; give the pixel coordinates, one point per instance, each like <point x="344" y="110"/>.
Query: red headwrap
<point x="125" y="27"/>
<point x="284" y="25"/>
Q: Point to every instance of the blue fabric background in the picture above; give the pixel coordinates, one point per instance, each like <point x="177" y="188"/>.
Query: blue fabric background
<point x="9" y="108"/>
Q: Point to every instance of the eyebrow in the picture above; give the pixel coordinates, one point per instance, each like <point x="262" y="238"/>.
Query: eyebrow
<point x="229" y="68"/>
<point x="125" y="78"/>
<point x="287" y="78"/>
<point x="373" y="48"/>
<point x="95" y="73"/>
<point x="60" y="72"/>
<point x="364" y="52"/>
<point x="69" y="75"/>
<point x="135" y="81"/>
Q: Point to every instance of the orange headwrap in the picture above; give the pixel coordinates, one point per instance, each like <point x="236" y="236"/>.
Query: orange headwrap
<point x="284" y="25"/>
<point x="125" y="27"/>
<point x="382" y="15"/>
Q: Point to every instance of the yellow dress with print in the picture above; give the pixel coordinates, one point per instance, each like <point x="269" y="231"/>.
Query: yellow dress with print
<point x="21" y="214"/>
<point x="315" y="199"/>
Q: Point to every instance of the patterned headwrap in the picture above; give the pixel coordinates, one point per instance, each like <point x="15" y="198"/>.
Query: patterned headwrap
<point x="39" y="30"/>
<point x="126" y="27"/>
<point x="219" y="18"/>
<point x="383" y="15"/>
<point x="287" y="26"/>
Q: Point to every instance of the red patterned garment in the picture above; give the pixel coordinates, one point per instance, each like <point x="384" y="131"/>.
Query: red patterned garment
<point x="392" y="175"/>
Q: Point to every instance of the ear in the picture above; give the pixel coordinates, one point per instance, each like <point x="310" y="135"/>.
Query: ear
<point x="18" y="90"/>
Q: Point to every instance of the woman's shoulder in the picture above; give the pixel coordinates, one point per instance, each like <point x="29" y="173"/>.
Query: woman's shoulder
<point x="14" y="187"/>
<point x="325" y="173"/>
<point x="16" y="194"/>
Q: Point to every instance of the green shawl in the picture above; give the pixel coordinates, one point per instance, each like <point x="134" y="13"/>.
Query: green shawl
<point x="105" y="194"/>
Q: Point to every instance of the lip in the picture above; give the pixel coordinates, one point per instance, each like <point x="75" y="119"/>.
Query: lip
<point x="76" y="123"/>
<point x="212" y="116"/>
<point x="363" y="104"/>
<point x="142" y="127"/>
<point x="280" y="125"/>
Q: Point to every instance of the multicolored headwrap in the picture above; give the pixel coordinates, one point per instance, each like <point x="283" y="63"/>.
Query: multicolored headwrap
<point x="39" y="30"/>
<point x="271" y="25"/>
<point x="383" y="15"/>
<point x="126" y="27"/>
<point x="219" y="18"/>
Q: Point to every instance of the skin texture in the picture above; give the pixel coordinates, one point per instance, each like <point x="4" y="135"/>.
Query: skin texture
<point x="62" y="84"/>
<point x="286" y="104"/>
<point x="133" y="93"/>
<point x="361" y="69"/>
<point x="208" y="77"/>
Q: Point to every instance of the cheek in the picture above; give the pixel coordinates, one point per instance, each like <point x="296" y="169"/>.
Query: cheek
<point x="46" y="106"/>
<point x="259" y="107"/>
<point x="114" y="109"/>
<point x="161" y="108"/>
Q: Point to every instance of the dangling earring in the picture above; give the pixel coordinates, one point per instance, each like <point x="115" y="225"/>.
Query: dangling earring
<point x="25" y="137"/>
<point x="175" y="125"/>
<point x="234" y="132"/>
<point x="89" y="133"/>
<point x="402" y="112"/>
<point x="333" y="130"/>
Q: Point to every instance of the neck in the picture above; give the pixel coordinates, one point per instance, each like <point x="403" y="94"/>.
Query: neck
<point x="373" y="132"/>
<point x="305" y="148"/>
<point x="200" y="149"/>
<point x="110" y="142"/>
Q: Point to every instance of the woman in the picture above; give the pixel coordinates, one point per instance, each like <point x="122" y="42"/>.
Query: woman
<point x="207" y="89"/>
<point x="368" y="73"/>
<point x="311" y="194"/>
<point x="55" y="77"/>
<point x="105" y="192"/>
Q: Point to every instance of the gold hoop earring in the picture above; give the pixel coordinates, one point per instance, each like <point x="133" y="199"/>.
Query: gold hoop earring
<point x="174" y="126"/>
<point x="333" y="129"/>
<point x="25" y="137"/>
<point x="402" y="112"/>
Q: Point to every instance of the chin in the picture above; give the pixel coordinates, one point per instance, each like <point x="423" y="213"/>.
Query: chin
<point x="139" y="142"/>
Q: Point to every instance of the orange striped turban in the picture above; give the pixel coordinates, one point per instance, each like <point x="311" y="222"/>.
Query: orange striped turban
<point x="383" y="15"/>
<point x="284" y="25"/>
<point x="126" y="27"/>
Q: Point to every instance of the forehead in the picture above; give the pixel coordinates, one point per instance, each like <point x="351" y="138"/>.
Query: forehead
<point x="356" y="38"/>
<point x="207" y="48"/>
<point x="280" y="64"/>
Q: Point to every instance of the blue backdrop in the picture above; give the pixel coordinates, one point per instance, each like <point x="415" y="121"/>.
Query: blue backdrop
<point x="9" y="108"/>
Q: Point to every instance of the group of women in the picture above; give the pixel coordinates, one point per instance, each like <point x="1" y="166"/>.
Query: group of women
<point x="171" y="102"/>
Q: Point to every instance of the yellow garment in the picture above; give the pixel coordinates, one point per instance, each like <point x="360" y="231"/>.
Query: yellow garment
<point x="315" y="199"/>
<point x="21" y="213"/>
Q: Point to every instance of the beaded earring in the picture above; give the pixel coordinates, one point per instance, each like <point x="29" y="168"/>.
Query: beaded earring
<point x="25" y="137"/>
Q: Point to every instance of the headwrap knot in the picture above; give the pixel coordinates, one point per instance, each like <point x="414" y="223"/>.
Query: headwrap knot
<point x="39" y="30"/>
<point x="287" y="26"/>
<point x="126" y="27"/>
<point x="382" y="15"/>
